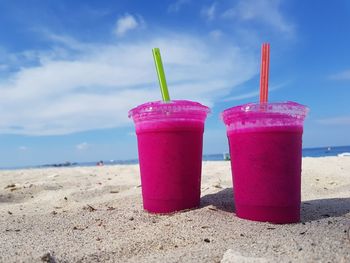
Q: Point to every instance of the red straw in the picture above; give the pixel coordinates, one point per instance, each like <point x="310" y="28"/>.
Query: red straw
<point x="262" y="68"/>
<point x="264" y="72"/>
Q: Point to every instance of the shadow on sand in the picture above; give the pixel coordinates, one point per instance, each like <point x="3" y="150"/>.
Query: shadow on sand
<point x="222" y="200"/>
<point x="311" y="210"/>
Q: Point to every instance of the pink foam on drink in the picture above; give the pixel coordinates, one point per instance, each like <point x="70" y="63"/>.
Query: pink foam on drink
<point x="170" y="139"/>
<point x="265" y="147"/>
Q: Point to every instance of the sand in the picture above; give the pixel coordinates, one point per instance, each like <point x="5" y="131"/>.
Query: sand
<point x="95" y="215"/>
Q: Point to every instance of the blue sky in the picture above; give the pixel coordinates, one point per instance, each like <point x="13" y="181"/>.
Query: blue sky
<point x="70" y="70"/>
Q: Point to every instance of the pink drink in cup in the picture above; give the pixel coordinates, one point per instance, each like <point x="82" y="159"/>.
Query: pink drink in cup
<point x="266" y="150"/>
<point x="170" y="140"/>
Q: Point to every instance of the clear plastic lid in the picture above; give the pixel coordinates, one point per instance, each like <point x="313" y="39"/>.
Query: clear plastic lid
<point x="173" y="110"/>
<point x="253" y="115"/>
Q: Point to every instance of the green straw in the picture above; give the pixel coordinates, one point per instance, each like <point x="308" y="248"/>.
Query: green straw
<point x="161" y="75"/>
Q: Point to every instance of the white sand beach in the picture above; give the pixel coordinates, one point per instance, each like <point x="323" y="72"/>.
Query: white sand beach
<point x="94" y="214"/>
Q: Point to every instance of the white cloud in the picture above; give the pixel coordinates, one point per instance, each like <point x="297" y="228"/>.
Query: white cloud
<point x="125" y="24"/>
<point x="216" y="34"/>
<point x="344" y="75"/>
<point x="263" y="11"/>
<point x="254" y="94"/>
<point x="78" y="87"/>
<point x="3" y="67"/>
<point x="209" y="12"/>
<point x="177" y="5"/>
<point x="82" y="146"/>
<point x="342" y="120"/>
<point x="23" y="148"/>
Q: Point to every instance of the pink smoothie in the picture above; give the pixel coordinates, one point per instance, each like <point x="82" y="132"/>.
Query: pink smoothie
<point x="265" y="149"/>
<point x="266" y="167"/>
<point x="170" y="153"/>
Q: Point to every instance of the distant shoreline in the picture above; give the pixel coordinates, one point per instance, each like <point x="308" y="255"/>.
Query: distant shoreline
<point x="307" y="152"/>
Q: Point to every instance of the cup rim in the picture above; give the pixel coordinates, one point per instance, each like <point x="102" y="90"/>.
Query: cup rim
<point x="284" y="108"/>
<point x="172" y="109"/>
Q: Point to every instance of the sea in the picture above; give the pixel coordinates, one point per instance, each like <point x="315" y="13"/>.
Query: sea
<point x="307" y="152"/>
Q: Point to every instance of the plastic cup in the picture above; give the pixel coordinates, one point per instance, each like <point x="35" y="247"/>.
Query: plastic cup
<point x="266" y="149"/>
<point x="170" y="142"/>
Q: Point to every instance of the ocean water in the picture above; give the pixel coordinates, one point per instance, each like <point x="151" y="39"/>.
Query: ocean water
<point x="326" y="151"/>
<point x="307" y="152"/>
